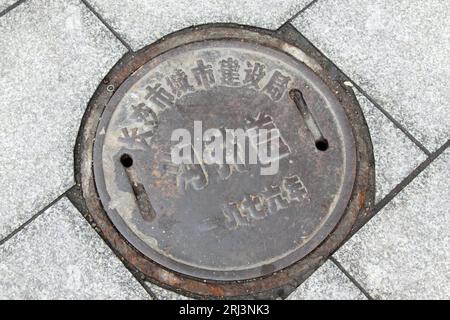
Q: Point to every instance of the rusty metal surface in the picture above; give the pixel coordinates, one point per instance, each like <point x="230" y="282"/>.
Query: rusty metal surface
<point x="187" y="238"/>
<point x="195" y="231"/>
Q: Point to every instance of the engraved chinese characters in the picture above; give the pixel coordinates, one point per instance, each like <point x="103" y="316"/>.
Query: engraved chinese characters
<point x="202" y="76"/>
<point x="268" y="202"/>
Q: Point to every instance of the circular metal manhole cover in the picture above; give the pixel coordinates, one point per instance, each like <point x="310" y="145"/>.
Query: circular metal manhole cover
<point x="271" y="198"/>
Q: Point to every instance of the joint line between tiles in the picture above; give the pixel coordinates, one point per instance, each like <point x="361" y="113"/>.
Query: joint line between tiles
<point x="390" y="117"/>
<point x="411" y="177"/>
<point x="351" y="278"/>
<point x="107" y="25"/>
<point x="34" y="217"/>
<point x="11" y="7"/>
<point x="140" y="281"/>
<point x="309" y="5"/>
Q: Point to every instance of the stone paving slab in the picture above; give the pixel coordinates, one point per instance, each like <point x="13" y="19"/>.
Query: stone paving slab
<point x="53" y="55"/>
<point x="404" y="252"/>
<point x="59" y="256"/>
<point x="395" y="155"/>
<point x="4" y="4"/>
<point x="397" y="51"/>
<point x="328" y="283"/>
<point x="142" y="22"/>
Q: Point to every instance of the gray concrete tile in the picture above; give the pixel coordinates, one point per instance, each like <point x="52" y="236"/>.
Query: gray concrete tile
<point x="395" y="155"/>
<point x="404" y="252"/>
<point x="143" y="22"/>
<point x="163" y="294"/>
<point x="328" y="283"/>
<point x="53" y="55"/>
<point x="59" y="256"/>
<point x="4" y="4"/>
<point x="397" y="51"/>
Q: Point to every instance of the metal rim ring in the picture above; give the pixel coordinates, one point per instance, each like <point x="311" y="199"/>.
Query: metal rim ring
<point x="278" y="284"/>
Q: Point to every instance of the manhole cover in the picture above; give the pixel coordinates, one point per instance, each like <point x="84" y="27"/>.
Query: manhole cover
<point x="222" y="155"/>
